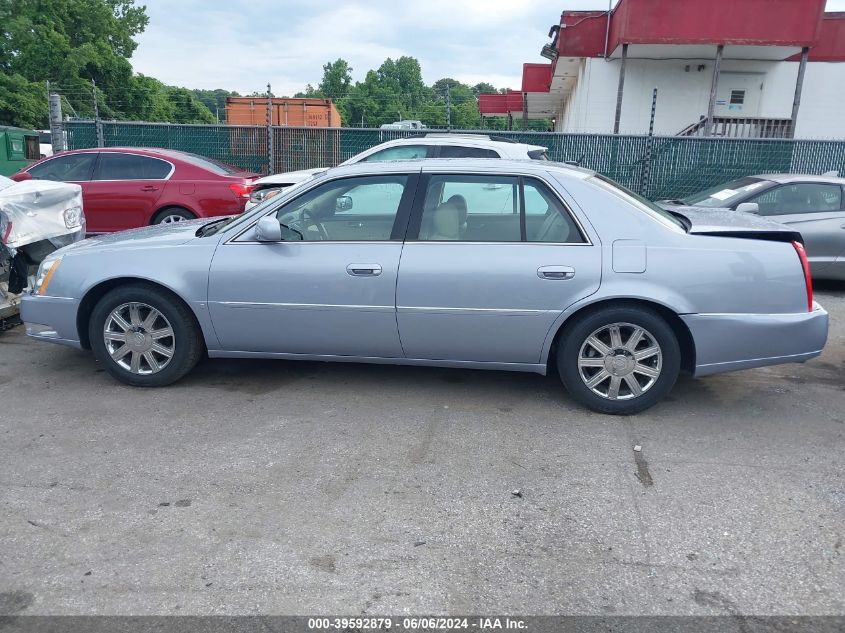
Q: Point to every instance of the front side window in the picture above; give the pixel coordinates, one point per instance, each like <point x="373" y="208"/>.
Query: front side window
<point x="351" y="209"/>
<point x="67" y="168"/>
<point x="800" y="198"/>
<point x="114" y="166"/>
<point x="494" y="209"/>
<point x="402" y="152"/>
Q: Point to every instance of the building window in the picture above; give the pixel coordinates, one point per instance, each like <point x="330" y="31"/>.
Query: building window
<point x="737" y="97"/>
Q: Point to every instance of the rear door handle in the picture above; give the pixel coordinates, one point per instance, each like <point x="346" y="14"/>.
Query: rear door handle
<point x="364" y="270"/>
<point x="555" y="272"/>
<point x="149" y="188"/>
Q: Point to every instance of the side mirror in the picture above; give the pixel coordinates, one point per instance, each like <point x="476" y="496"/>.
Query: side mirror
<point x="21" y="176"/>
<point x="268" y="229"/>
<point x="344" y="203"/>
<point x="748" y="207"/>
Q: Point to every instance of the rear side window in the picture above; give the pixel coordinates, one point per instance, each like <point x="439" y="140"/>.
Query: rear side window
<point x="458" y="151"/>
<point x="464" y="208"/>
<point x="114" y="166"/>
<point x="66" y="168"/>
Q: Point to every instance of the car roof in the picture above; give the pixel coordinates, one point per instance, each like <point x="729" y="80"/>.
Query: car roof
<point x="476" y="140"/>
<point x="479" y="165"/>
<point x="788" y="178"/>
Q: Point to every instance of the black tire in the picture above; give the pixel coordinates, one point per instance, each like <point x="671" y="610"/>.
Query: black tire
<point x="186" y="343"/>
<point x="173" y="212"/>
<point x="575" y="337"/>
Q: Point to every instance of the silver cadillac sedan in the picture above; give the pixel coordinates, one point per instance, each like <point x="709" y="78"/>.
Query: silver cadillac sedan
<point x="487" y="264"/>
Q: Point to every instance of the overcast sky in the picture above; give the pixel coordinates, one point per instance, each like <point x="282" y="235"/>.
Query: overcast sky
<point x="242" y="44"/>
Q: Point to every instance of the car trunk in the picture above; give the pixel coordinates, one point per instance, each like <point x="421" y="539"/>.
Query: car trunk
<point x="729" y="223"/>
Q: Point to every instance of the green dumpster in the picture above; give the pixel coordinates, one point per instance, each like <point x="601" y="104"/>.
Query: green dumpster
<point x="18" y="148"/>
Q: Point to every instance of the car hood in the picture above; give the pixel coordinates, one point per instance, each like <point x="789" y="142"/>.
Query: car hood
<point x="289" y="177"/>
<point x="144" y="237"/>
<point x="730" y="223"/>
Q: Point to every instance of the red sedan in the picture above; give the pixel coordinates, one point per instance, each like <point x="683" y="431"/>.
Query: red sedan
<point x="124" y="188"/>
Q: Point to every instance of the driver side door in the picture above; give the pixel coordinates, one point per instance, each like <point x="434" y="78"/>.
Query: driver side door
<point x="331" y="293"/>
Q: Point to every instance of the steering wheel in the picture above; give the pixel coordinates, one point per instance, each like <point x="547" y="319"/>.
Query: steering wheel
<point x="306" y="220"/>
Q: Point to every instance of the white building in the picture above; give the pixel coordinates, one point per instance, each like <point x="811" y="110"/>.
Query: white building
<point x="720" y="67"/>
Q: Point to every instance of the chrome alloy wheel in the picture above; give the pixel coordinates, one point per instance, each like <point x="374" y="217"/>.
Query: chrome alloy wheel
<point x="172" y="218"/>
<point x="139" y="338"/>
<point x="620" y="361"/>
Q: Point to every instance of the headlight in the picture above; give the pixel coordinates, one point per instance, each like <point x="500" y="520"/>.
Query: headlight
<point x="73" y="217"/>
<point x="45" y="274"/>
<point x="263" y="194"/>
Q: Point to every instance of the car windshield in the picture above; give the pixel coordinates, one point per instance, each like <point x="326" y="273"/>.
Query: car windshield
<point x="662" y="215"/>
<point x="725" y="195"/>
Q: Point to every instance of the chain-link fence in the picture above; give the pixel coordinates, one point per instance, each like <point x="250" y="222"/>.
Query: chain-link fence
<point x="657" y="167"/>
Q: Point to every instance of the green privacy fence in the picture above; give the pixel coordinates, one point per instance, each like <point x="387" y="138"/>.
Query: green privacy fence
<point x="657" y="167"/>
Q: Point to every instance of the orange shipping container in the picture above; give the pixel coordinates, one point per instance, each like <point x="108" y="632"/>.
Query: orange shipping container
<point x="291" y="112"/>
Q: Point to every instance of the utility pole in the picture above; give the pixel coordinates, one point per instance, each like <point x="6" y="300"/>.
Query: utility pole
<point x="270" y="153"/>
<point x="97" y="122"/>
<point x="646" y="172"/>
<point x="448" y="107"/>
<point x="57" y="135"/>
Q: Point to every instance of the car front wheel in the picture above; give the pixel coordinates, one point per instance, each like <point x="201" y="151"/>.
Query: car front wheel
<point x="144" y="336"/>
<point x="620" y="360"/>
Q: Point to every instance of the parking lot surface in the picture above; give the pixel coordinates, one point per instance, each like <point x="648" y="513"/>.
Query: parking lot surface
<point x="277" y="487"/>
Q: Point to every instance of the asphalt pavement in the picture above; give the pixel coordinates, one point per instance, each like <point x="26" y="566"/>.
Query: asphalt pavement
<point x="274" y="487"/>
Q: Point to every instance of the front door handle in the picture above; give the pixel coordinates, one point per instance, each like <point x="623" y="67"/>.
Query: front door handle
<point x="555" y="272"/>
<point x="363" y="270"/>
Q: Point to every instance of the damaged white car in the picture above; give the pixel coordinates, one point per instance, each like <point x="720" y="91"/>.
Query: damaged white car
<point x="37" y="217"/>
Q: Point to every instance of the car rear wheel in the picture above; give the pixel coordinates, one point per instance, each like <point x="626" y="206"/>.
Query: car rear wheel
<point x="620" y="360"/>
<point x="144" y="336"/>
<point x="171" y="215"/>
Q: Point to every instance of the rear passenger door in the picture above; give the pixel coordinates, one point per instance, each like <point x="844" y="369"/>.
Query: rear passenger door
<point x="816" y="211"/>
<point x="124" y="191"/>
<point x="489" y="264"/>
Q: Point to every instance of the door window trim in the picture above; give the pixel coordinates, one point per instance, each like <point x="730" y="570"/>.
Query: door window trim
<point x="400" y="221"/>
<point x="415" y="224"/>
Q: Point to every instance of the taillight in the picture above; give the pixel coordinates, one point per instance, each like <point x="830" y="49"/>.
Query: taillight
<point x="240" y="189"/>
<point x="805" y="265"/>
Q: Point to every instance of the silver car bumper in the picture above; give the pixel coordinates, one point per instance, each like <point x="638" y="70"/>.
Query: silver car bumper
<point x="51" y="319"/>
<point x="728" y="342"/>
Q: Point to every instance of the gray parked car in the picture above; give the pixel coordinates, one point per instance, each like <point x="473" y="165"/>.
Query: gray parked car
<point x="487" y="264"/>
<point x="812" y="205"/>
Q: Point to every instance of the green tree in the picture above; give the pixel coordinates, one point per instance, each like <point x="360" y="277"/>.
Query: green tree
<point x="22" y="103"/>
<point x="337" y="80"/>
<point x="70" y="42"/>
<point x="215" y="100"/>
